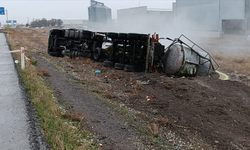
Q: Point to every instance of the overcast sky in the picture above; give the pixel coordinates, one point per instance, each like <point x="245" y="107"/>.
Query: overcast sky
<point x="22" y="10"/>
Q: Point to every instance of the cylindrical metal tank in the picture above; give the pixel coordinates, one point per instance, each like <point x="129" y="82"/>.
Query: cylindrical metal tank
<point x="184" y="61"/>
<point x="98" y="12"/>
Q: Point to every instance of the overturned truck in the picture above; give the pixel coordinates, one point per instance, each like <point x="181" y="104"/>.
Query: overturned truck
<point x="133" y="52"/>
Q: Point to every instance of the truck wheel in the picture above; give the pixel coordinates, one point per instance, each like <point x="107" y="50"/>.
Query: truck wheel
<point x="70" y="55"/>
<point x="112" y="35"/>
<point x="77" y="34"/>
<point x="122" y="36"/>
<point x="50" y="44"/>
<point x="129" y="68"/>
<point x="74" y="54"/>
<point x="55" y="54"/>
<point x="66" y="33"/>
<point x="72" y="33"/>
<point x="56" y="31"/>
<point x="108" y="63"/>
<point x="119" y="66"/>
<point x="134" y="36"/>
<point x="98" y="53"/>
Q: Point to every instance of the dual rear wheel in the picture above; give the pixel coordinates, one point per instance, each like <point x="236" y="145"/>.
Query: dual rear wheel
<point x="120" y="66"/>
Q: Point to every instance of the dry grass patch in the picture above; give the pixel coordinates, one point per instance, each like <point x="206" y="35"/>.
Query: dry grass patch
<point x="43" y="72"/>
<point x="138" y="87"/>
<point x="74" y="116"/>
<point x="97" y="90"/>
<point x="132" y="81"/>
<point x="233" y="63"/>
<point x="129" y="91"/>
<point x="115" y="76"/>
<point x="108" y="95"/>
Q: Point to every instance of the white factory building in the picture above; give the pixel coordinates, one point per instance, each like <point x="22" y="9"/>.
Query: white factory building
<point x="221" y="16"/>
<point x="208" y="17"/>
<point x="144" y="20"/>
<point x="75" y="23"/>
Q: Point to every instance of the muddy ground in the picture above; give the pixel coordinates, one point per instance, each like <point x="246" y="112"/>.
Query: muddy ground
<point x="181" y="113"/>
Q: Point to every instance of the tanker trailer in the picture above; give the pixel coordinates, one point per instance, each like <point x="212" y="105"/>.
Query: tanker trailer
<point x="132" y="52"/>
<point x="180" y="59"/>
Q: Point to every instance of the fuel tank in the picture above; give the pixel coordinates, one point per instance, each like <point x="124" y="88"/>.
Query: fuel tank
<point x="180" y="60"/>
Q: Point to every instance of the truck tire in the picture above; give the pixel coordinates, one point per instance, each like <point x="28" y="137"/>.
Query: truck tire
<point x="74" y="54"/>
<point x="50" y="43"/>
<point x="53" y="53"/>
<point x="123" y="36"/>
<point x="66" y="33"/>
<point x="134" y="36"/>
<point x="119" y="66"/>
<point x="56" y="54"/>
<point x="98" y="53"/>
<point x="72" y="33"/>
<point x="112" y="35"/>
<point x="70" y="55"/>
<point x="108" y="63"/>
<point x="77" y="34"/>
<point x="129" y="68"/>
<point x="56" y="31"/>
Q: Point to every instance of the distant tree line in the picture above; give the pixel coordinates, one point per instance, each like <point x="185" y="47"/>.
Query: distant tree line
<point x="46" y="23"/>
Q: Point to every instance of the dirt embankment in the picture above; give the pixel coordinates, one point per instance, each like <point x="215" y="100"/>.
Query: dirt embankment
<point x="200" y="112"/>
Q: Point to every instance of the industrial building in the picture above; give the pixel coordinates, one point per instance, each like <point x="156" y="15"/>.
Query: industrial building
<point x="98" y="12"/>
<point x="142" y="19"/>
<point x="221" y="16"/>
<point x="211" y="17"/>
<point x="75" y="23"/>
<point x="99" y="16"/>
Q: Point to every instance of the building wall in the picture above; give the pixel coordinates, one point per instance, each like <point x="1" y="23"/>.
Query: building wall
<point x="247" y="10"/>
<point x="75" y="23"/>
<point x="99" y="14"/>
<point x="142" y="20"/>
<point x="208" y="14"/>
<point x="132" y="19"/>
<point x="232" y="9"/>
<point x="197" y="14"/>
<point x="158" y="21"/>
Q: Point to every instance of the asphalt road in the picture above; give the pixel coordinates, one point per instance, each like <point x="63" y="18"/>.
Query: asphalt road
<point x="17" y="125"/>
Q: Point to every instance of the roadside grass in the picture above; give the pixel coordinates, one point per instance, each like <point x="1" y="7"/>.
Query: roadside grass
<point x="233" y="63"/>
<point x="105" y="92"/>
<point x="63" y="130"/>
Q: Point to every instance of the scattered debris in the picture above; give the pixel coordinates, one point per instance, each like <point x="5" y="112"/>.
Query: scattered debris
<point x="122" y="105"/>
<point x="143" y="82"/>
<point x="106" y="81"/>
<point x="96" y="121"/>
<point x="98" y="72"/>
